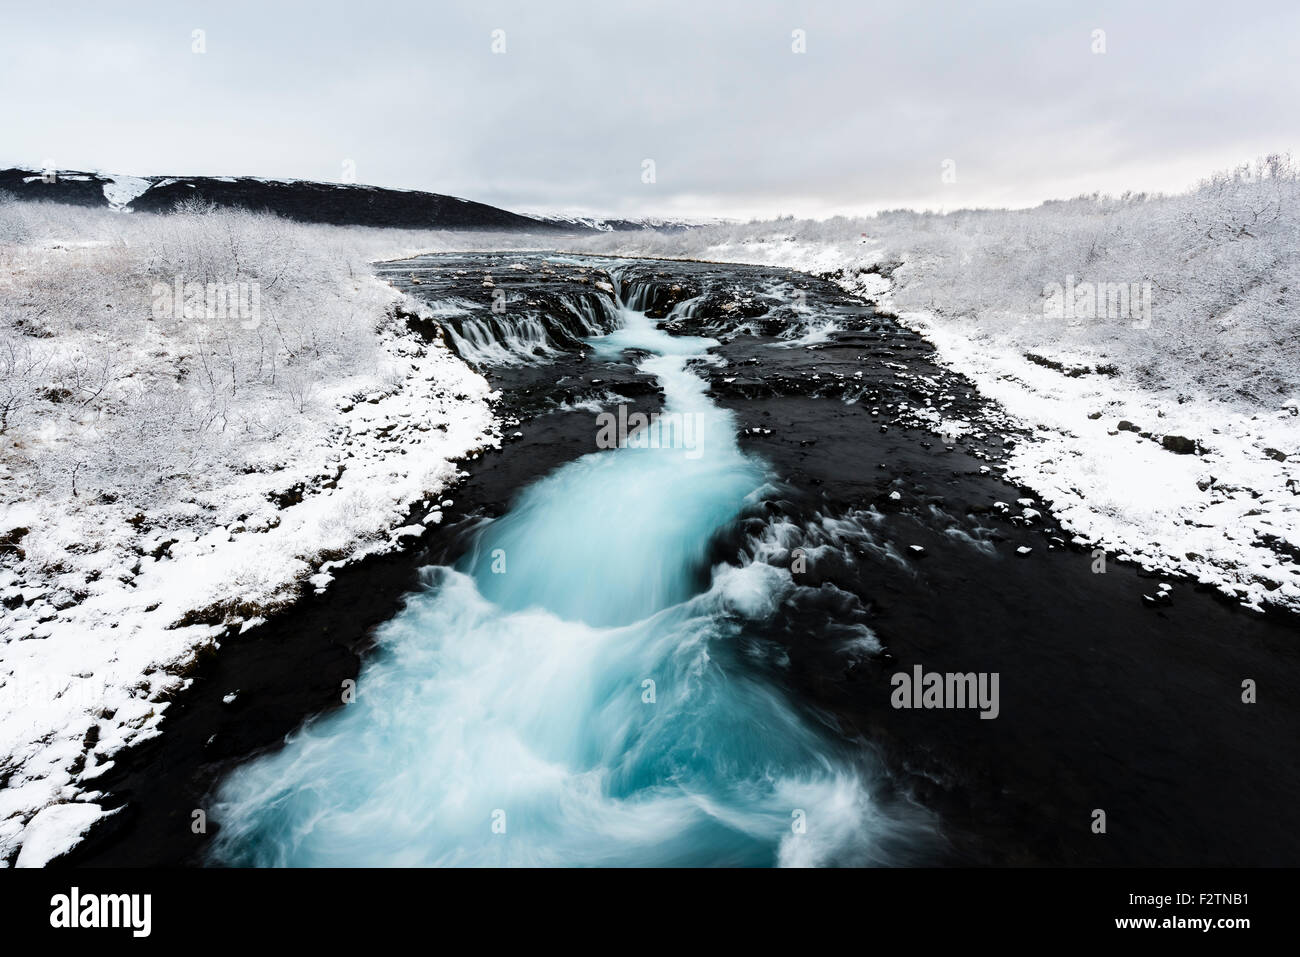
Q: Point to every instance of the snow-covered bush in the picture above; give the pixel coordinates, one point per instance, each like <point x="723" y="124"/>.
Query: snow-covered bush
<point x="182" y="453"/>
<point x="1221" y="263"/>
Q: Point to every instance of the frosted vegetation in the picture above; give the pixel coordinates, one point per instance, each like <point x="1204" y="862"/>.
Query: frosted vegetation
<point x="166" y="482"/>
<point x="102" y="403"/>
<point x="1223" y="261"/>
<point x="104" y="398"/>
<point x="1107" y="396"/>
<point x="100" y="400"/>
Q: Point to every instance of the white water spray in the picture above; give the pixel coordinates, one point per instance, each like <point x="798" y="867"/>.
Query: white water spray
<point x="576" y="692"/>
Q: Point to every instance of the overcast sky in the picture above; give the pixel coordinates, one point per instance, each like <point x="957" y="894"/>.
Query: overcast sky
<point x="735" y="121"/>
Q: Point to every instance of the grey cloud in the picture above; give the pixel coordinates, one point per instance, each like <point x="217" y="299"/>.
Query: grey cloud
<point x="736" y="122"/>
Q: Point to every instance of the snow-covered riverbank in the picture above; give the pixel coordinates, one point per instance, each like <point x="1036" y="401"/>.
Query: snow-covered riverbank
<point x="164" y="488"/>
<point x="1226" y="514"/>
<point x="1169" y="437"/>
<point x="84" y="681"/>
<point x="170" y="482"/>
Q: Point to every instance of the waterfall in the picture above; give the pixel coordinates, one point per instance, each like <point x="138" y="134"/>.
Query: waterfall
<point x="577" y="690"/>
<point x="520" y="333"/>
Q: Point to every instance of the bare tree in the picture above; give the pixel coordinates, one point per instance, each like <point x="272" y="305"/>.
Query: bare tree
<point x="22" y="376"/>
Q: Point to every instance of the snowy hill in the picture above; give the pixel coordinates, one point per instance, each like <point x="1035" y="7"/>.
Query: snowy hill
<point x="339" y="204"/>
<point x="624" y="225"/>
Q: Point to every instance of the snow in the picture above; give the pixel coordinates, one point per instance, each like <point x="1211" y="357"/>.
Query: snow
<point x="1210" y="517"/>
<point x="121" y="190"/>
<point x="1218" y="363"/>
<point x="106" y="661"/>
<point x="111" y="595"/>
<point x="56" y="830"/>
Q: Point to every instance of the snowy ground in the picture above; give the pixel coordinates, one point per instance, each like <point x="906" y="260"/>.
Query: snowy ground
<point x="1214" y="364"/>
<point x="150" y="503"/>
<point x="151" y="507"/>
<point x="1228" y="515"/>
<point x="84" y="680"/>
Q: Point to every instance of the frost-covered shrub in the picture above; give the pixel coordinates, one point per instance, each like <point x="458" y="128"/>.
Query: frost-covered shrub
<point x="111" y="395"/>
<point x="1222" y="262"/>
<point x="13" y="224"/>
<point x="101" y="393"/>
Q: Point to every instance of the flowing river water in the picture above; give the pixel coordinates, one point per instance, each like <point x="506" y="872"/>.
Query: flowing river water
<point x="675" y="641"/>
<point x="574" y="691"/>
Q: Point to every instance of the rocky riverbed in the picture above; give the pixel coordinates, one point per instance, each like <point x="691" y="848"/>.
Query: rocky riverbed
<point x="904" y="547"/>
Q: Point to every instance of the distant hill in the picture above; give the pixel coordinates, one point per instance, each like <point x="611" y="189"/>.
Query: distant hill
<point x="76" y="189"/>
<point x="620" y="225"/>
<point x="340" y="204"/>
